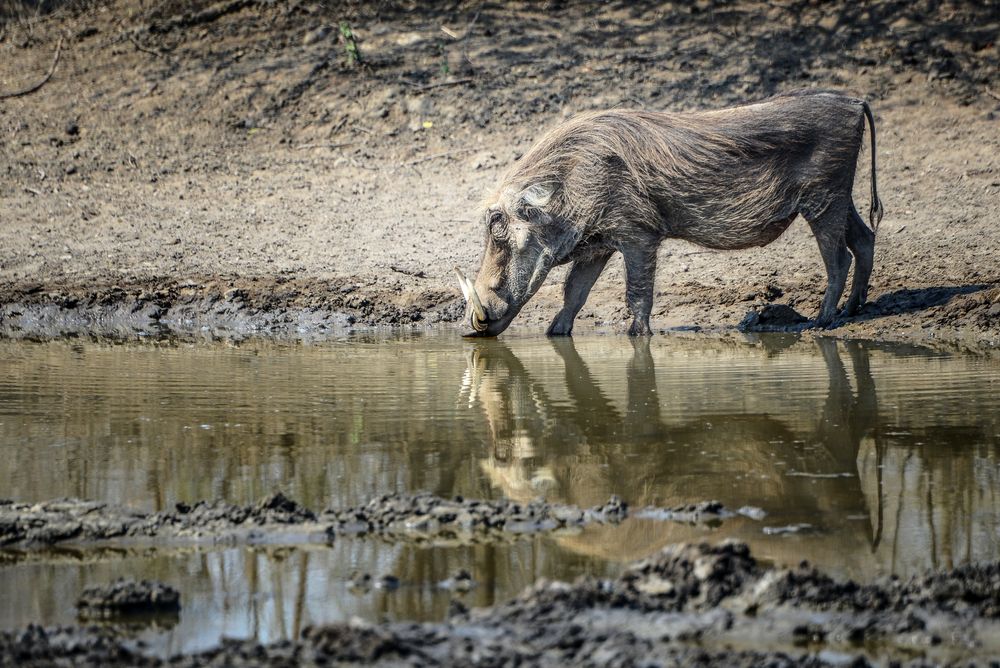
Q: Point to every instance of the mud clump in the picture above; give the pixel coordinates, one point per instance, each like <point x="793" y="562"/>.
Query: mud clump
<point x="274" y="509"/>
<point x="124" y="598"/>
<point x="429" y="515"/>
<point x="704" y="512"/>
<point x="686" y="577"/>
<point x="773" y="318"/>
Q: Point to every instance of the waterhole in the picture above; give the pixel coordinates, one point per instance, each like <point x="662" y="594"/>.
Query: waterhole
<point x="862" y="458"/>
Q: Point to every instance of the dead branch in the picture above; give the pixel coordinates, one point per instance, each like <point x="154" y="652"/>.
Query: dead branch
<point x="465" y="38"/>
<point x="408" y="272"/>
<point x="995" y="96"/>
<point x="440" y="84"/>
<point x="302" y="147"/>
<point x="146" y="49"/>
<point x="48" y="75"/>
<point x="206" y="15"/>
<point x="446" y="154"/>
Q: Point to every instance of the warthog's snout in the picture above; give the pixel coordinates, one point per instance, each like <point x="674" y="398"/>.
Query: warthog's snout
<point x="483" y="321"/>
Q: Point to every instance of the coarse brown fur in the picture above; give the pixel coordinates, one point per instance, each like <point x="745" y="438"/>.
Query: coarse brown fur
<point x="624" y="180"/>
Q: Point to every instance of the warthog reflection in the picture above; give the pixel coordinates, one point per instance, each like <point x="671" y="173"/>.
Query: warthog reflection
<point x="819" y="460"/>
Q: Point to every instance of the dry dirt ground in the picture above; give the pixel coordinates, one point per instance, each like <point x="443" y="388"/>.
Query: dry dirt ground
<point x="192" y="165"/>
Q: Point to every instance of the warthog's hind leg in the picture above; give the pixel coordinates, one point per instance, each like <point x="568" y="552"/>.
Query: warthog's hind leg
<point x="640" y="270"/>
<point x="579" y="281"/>
<point x="829" y="229"/>
<point x="861" y="241"/>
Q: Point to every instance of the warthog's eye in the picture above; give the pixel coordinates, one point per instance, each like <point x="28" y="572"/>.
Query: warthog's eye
<point x="498" y="225"/>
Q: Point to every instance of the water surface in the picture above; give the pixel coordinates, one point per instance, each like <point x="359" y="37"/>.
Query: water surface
<point x="889" y="454"/>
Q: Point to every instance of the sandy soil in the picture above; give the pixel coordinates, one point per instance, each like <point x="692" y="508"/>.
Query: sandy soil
<point x="225" y="165"/>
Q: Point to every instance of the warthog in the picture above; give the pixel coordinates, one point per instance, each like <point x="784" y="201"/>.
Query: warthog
<point x="624" y="180"/>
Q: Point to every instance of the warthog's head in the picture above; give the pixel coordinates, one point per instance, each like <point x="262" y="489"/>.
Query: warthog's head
<point x="523" y="242"/>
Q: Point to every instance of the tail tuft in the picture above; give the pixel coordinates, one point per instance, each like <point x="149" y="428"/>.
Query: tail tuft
<point x="876" y="211"/>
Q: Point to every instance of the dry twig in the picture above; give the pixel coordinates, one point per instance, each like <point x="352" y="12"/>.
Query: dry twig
<point x="48" y="75"/>
<point x="440" y="84"/>
<point x="446" y="154"/>
<point x="146" y="49"/>
<point x="207" y="15"/>
<point x="992" y="94"/>
<point x="408" y="272"/>
<point x="302" y="147"/>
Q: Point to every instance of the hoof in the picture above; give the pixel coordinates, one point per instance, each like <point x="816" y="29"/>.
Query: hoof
<point x="559" y="330"/>
<point x="638" y="329"/>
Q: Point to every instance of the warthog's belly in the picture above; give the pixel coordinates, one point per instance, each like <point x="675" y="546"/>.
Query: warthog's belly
<point x="735" y="235"/>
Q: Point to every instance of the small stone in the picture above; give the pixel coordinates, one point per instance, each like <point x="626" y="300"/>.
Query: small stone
<point x="703" y="568"/>
<point x="655" y="586"/>
<point x="752" y="512"/>
<point x="316" y="35"/>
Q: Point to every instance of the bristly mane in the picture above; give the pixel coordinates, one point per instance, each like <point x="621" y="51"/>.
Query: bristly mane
<point x="735" y="166"/>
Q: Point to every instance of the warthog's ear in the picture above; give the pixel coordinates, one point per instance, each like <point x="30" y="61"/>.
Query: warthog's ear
<point x="537" y="194"/>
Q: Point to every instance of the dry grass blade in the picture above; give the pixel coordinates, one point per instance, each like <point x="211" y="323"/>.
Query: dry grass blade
<point x="439" y="84"/>
<point x="435" y="156"/>
<point x="302" y="147"/>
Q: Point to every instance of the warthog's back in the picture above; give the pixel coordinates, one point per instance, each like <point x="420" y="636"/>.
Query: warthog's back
<point x="731" y="178"/>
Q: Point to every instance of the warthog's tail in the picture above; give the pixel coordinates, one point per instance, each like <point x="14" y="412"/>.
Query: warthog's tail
<point x="875" y="212"/>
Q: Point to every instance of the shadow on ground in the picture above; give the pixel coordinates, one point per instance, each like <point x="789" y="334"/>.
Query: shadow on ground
<point x="909" y="300"/>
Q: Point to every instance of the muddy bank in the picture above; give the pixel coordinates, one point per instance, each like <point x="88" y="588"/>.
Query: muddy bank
<point x="230" y="309"/>
<point x="275" y="519"/>
<point x="687" y="605"/>
<point x="955" y="318"/>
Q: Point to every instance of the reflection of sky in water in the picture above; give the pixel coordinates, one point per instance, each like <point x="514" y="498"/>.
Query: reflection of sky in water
<point x="890" y="453"/>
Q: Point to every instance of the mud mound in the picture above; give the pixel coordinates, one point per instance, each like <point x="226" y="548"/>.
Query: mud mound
<point x="65" y="520"/>
<point x="123" y="598"/>
<point x="688" y="605"/>
<point x="358" y="644"/>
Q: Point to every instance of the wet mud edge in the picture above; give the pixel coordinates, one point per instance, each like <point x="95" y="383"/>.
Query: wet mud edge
<point x="279" y="519"/>
<point x="306" y="309"/>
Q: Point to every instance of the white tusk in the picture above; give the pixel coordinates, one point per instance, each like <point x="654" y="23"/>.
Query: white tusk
<point x="469" y="291"/>
<point x="461" y="283"/>
<point x="477" y="307"/>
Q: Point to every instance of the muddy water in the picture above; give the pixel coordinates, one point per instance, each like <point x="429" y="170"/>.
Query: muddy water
<point x="882" y="459"/>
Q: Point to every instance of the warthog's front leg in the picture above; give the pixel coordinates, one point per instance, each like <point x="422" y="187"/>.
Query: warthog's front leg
<point x="579" y="281"/>
<point x="640" y="270"/>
